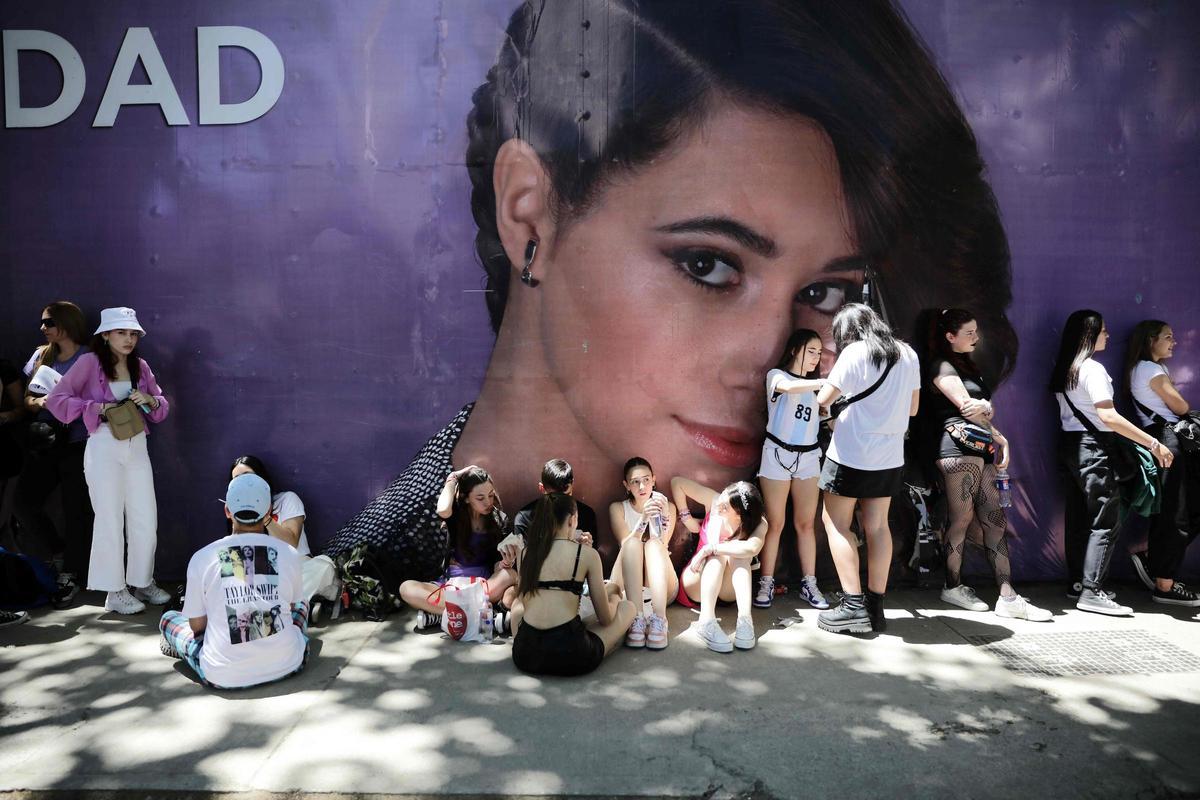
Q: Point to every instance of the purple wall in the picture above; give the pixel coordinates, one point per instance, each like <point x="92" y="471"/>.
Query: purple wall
<point x="308" y="278"/>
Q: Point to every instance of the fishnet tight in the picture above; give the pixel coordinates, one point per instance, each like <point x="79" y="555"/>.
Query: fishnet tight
<point x="972" y="496"/>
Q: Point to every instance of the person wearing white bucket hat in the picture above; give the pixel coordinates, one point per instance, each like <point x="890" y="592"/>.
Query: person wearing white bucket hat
<point x="120" y="478"/>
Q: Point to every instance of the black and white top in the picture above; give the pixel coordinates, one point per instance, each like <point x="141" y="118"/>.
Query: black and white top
<point x="402" y="521"/>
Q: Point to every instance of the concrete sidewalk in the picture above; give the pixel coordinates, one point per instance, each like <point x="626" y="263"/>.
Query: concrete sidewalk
<point x="939" y="706"/>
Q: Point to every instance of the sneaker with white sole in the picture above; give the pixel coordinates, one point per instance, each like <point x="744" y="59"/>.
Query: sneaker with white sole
<point x="152" y="595"/>
<point x="1141" y="565"/>
<point x="743" y="634"/>
<point x="167" y="649"/>
<point x="810" y="594"/>
<point x="8" y="618"/>
<point x="637" y="632"/>
<point x="1101" y="603"/>
<point x="1018" y="607"/>
<point x="656" y="633"/>
<point x="766" y="592"/>
<point x="1076" y="589"/>
<point x="66" y="592"/>
<point x="963" y="596"/>
<point x="713" y="637"/>
<point x="427" y="620"/>
<point x="1177" y="595"/>
<point x="123" y="602"/>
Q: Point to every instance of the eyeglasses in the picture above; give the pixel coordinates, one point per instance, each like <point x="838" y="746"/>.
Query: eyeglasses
<point x="49" y="323"/>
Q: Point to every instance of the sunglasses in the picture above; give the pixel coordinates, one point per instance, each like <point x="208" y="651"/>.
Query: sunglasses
<point x="48" y="323"/>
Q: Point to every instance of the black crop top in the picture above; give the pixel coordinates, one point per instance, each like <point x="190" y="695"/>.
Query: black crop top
<point x="573" y="586"/>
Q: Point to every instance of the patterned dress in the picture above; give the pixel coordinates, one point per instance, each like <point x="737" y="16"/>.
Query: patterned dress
<point x="402" y="522"/>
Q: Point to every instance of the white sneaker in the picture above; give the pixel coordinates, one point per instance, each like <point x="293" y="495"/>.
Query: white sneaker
<point x="153" y="595"/>
<point x="963" y="596"/>
<point x="743" y="635"/>
<point x="1020" y="608"/>
<point x="637" y="632"/>
<point x="713" y="637"/>
<point x="766" y="592"/>
<point x="656" y="633"/>
<point x="811" y="594"/>
<point x="123" y="602"/>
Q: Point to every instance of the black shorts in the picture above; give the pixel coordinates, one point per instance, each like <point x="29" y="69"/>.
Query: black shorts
<point x="567" y="649"/>
<point x="860" y="483"/>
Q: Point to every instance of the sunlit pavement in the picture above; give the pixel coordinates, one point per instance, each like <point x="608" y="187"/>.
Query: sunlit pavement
<point x="922" y="711"/>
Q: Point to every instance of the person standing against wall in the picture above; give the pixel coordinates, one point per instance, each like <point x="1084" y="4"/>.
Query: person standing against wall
<point x="1159" y="406"/>
<point x="1087" y="454"/>
<point x="55" y="457"/>
<point x="113" y="389"/>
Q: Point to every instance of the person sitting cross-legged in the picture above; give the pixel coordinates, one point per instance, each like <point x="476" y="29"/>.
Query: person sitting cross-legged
<point x="250" y="584"/>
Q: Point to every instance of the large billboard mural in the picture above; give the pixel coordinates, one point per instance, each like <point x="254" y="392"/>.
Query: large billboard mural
<point x="322" y="212"/>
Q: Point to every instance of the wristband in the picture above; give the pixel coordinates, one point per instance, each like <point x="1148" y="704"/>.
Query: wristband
<point x="684" y="513"/>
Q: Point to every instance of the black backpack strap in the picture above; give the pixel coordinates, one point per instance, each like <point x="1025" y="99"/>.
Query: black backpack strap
<point x="794" y="448"/>
<point x="1155" y="417"/>
<point x="843" y="403"/>
<point x="1084" y="421"/>
<point x="574" y="569"/>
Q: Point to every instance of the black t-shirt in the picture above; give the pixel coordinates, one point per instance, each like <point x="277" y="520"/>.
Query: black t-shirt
<point x="587" y="519"/>
<point x="944" y="412"/>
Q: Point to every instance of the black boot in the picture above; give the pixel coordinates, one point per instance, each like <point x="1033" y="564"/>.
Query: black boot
<point x="875" y="611"/>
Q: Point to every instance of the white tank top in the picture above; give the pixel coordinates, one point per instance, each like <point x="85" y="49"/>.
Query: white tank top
<point x="633" y="517"/>
<point x="792" y="417"/>
<point x="121" y="389"/>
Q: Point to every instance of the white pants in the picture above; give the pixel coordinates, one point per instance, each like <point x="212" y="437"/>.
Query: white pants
<point x="121" y="484"/>
<point x="318" y="574"/>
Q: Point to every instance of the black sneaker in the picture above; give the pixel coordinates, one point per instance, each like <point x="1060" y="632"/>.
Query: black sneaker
<point x="1076" y="589"/>
<point x="845" y="619"/>
<point x="1141" y="564"/>
<point x="1177" y="595"/>
<point x="67" y="589"/>
<point x="13" y="618"/>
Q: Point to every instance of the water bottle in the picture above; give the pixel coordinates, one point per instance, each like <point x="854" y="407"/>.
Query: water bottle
<point x="1003" y="488"/>
<point x="486" y="628"/>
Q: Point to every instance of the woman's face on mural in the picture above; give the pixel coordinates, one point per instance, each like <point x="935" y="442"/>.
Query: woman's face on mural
<point x="668" y="300"/>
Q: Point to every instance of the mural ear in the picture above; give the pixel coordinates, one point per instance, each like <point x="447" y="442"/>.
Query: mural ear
<point x="523" y="217"/>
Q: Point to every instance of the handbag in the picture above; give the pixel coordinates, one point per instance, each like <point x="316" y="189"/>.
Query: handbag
<point x="125" y="420"/>
<point x="972" y="439"/>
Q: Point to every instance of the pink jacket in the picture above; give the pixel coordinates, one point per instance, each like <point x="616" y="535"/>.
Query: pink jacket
<point x="84" y="389"/>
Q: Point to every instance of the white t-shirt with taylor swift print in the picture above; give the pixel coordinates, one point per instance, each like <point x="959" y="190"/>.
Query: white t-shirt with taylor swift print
<point x="245" y="584"/>
<point x="869" y="435"/>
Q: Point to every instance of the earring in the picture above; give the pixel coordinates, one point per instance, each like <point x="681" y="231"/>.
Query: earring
<point x="527" y="273"/>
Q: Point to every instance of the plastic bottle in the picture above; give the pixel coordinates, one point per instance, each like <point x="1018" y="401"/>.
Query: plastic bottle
<point x="486" y="624"/>
<point x="1004" y="488"/>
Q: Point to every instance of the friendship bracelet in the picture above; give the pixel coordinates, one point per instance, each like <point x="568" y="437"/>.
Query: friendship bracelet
<point x="684" y="513"/>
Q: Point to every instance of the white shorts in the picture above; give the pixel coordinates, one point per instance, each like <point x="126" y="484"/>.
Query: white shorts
<point x="779" y="464"/>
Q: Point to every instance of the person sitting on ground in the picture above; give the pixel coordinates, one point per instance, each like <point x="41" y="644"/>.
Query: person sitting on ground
<point x="286" y="522"/>
<point x="241" y="653"/>
<point x="731" y="536"/>
<point x="643" y="523"/>
<point x="471" y="509"/>
<point x="550" y="638"/>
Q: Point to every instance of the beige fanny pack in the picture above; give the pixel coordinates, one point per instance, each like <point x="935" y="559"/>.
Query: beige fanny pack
<point x="125" y="420"/>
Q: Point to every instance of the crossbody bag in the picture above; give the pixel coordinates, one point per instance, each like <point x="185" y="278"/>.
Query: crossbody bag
<point x="125" y="420"/>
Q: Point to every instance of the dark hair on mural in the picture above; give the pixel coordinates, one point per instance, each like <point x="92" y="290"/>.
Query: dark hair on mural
<point x="462" y="541"/>
<point x="551" y="513"/>
<point x="601" y="86"/>
<point x="746" y="500"/>
<point x="859" y="323"/>
<point x="630" y="466"/>
<point x="108" y="359"/>
<point x="795" y="343"/>
<point x="949" y="321"/>
<point x="1140" y="347"/>
<point x="557" y="475"/>
<point x="1077" y="345"/>
<point x="69" y="319"/>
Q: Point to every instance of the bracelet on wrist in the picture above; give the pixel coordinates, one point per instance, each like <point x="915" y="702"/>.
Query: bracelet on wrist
<point x="684" y="513"/>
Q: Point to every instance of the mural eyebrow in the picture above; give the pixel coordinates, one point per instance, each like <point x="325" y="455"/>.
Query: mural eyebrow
<point x="724" y="226"/>
<point x="854" y="263"/>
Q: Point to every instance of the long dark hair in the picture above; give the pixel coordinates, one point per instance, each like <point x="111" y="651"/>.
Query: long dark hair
<point x="551" y="513"/>
<point x="795" y="343"/>
<point x="108" y="359"/>
<point x="69" y="319"/>
<point x="1141" y="343"/>
<point x="746" y="499"/>
<point x="1077" y="346"/>
<point x="462" y="540"/>
<point x="610" y="92"/>
<point x="630" y="466"/>
<point x="950" y="321"/>
<point x="859" y="323"/>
